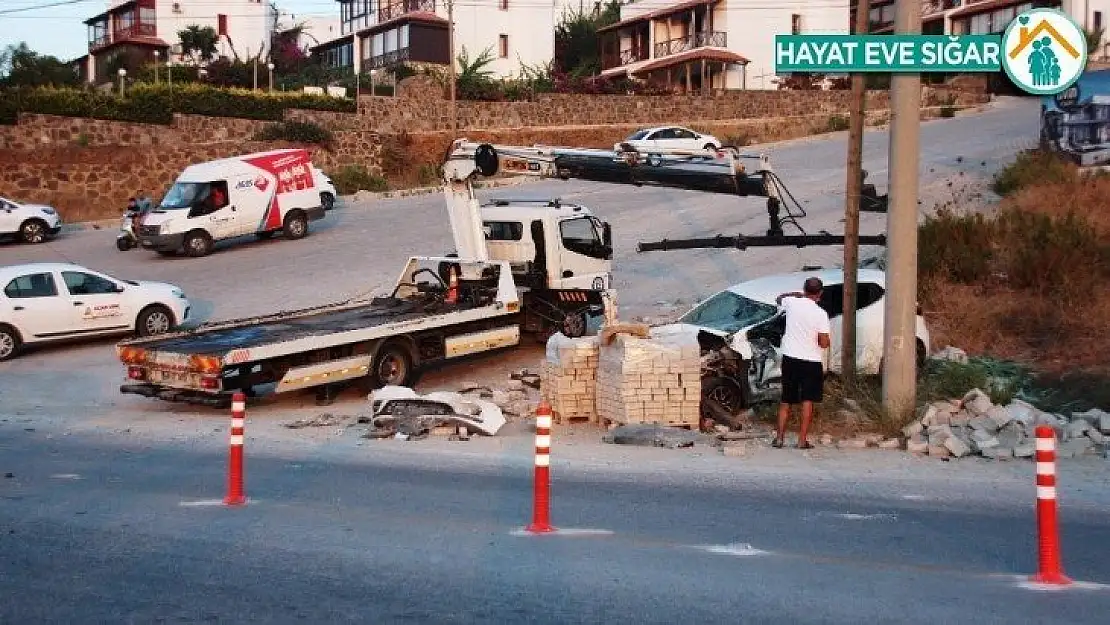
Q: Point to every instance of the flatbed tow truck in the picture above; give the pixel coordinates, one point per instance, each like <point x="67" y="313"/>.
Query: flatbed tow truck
<point x="520" y="266"/>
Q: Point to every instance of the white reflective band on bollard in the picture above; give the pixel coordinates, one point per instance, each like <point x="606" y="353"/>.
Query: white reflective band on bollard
<point x="543" y="460"/>
<point x="1046" y="492"/>
<point x="1046" y="444"/>
<point x="238" y="422"/>
<point x="1046" y="468"/>
<point x="543" y="440"/>
<point x="543" y="421"/>
<point x="236" y="439"/>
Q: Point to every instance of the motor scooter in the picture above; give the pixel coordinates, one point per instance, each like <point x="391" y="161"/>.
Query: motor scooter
<point x="128" y="236"/>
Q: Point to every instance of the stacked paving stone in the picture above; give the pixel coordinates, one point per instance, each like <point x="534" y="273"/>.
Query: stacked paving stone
<point x="649" y="380"/>
<point x="568" y="378"/>
<point x="975" y="425"/>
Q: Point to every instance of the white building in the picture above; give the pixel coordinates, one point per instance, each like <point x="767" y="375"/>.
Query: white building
<point x="699" y="45"/>
<point x="144" y="30"/>
<point x="380" y="34"/>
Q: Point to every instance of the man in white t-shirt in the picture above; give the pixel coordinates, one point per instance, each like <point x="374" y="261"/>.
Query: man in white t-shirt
<point x="803" y="356"/>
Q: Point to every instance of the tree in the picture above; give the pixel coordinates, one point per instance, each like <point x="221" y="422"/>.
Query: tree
<point x="199" y="44"/>
<point x="576" y="39"/>
<point x="21" y="66"/>
<point x="1094" y="40"/>
<point x="474" y="81"/>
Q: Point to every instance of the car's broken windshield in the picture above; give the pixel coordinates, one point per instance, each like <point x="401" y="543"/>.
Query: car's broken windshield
<point x="728" y="312"/>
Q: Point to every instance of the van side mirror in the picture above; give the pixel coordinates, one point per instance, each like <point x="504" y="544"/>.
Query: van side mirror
<point x="607" y="234"/>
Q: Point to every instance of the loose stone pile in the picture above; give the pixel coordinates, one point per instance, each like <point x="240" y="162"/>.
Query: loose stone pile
<point x="974" y="425"/>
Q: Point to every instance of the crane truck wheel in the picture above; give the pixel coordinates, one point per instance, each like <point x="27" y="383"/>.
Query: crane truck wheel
<point x="574" y="325"/>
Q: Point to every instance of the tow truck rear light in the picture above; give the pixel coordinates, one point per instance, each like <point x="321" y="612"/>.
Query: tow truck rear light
<point x="136" y="373"/>
<point x="205" y="364"/>
<point x="209" y="382"/>
<point x="132" y="355"/>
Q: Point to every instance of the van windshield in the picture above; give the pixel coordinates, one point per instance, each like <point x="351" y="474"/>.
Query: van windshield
<point x="184" y="195"/>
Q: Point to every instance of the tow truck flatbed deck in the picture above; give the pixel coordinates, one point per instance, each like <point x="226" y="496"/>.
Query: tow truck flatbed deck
<point x="219" y="341"/>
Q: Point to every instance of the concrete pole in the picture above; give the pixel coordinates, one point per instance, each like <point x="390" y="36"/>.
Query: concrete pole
<point x="451" y="63"/>
<point x="899" y="343"/>
<point x="851" y="208"/>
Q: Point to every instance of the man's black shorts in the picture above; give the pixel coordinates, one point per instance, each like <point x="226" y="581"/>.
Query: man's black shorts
<point x="802" y="380"/>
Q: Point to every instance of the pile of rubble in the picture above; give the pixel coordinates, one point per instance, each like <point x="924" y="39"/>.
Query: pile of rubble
<point x="975" y="425"/>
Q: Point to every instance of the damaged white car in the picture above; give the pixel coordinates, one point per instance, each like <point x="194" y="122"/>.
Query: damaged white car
<point x="745" y="319"/>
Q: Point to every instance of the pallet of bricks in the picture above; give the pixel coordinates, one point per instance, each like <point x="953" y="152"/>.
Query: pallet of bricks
<point x="568" y="378"/>
<point x="645" y="379"/>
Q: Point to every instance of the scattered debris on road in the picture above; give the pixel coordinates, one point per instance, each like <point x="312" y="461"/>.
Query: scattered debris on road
<point x="652" y="435"/>
<point x="974" y="425"/>
<point x="398" y="411"/>
<point x="324" y="420"/>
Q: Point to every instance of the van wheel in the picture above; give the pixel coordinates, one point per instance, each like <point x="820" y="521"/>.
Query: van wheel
<point x="33" y="231"/>
<point x="393" y="366"/>
<point x="296" y="225"/>
<point x="9" y="342"/>
<point x="327" y="200"/>
<point x="197" y="244"/>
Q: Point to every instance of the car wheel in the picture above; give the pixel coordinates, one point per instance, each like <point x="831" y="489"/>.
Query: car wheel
<point x="296" y="225"/>
<point x="574" y="325"/>
<point x="123" y="244"/>
<point x="154" y="320"/>
<point x="393" y="366"/>
<point x="327" y="200"/>
<point x="9" y="342"/>
<point x="33" y="231"/>
<point x="198" y="244"/>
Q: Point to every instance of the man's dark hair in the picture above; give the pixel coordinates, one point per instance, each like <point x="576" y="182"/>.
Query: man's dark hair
<point x="813" y="286"/>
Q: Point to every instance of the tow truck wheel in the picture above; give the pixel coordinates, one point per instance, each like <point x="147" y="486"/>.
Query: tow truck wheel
<point x="393" y="366"/>
<point x="9" y="342"/>
<point x="574" y="325"/>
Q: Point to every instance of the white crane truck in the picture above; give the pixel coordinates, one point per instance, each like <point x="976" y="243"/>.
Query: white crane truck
<point x="521" y="266"/>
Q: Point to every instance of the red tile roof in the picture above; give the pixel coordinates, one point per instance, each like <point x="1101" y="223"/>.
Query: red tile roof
<point x="708" y="54"/>
<point x="689" y="4"/>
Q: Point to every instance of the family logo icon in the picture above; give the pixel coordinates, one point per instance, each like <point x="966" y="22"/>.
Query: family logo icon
<point x="1045" y="51"/>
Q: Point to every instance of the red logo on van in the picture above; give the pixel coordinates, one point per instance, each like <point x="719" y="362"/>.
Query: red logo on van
<point x="261" y="183"/>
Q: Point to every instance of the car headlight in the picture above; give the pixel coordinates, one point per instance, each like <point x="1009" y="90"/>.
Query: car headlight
<point x="178" y="293"/>
<point x="49" y="211"/>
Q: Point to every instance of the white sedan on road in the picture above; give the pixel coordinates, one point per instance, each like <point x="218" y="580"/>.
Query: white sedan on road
<point x="669" y="138"/>
<point x="747" y="316"/>
<point x="44" y="302"/>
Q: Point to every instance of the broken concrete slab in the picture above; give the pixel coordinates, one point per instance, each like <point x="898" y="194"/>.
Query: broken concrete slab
<point x="999" y="415"/>
<point x="890" y="443"/>
<point x="999" y="453"/>
<point x="958" y="448"/>
<point x="940" y="451"/>
<point x="953" y="354"/>
<point x="917" y="445"/>
<point x="652" y="435"/>
<point x="984" y="423"/>
<point x="1077" y="428"/>
<point x="1022" y="412"/>
<point x="1075" y="447"/>
<point x="976" y="402"/>
<point x="1096" y="437"/>
<point x="1025" y="450"/>
<point x="960" y="419"/>
<point x="913" y="429"/>
<point x="852" y="443"/>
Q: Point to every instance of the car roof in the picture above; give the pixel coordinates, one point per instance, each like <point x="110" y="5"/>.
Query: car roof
<point x="767" y="288"/>
<point x="654" y="128"/>
<point x="11" y="271"/>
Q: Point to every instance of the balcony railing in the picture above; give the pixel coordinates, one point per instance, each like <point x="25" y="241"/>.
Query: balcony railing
<point x="716" y="39"/>
<point x="624" y="57"/>
<point x="396" y="8"/>
<point x="140" y="29"/>
<point x="388" y="59"/>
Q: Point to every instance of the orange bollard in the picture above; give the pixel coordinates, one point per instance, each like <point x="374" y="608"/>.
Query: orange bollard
<point x="235" y="496"/>
<point x="541" y="499"/>
<point x="1048" y="539"/>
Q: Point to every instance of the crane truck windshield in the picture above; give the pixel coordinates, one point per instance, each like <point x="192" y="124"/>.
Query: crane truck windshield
<point x="728" y="312"/>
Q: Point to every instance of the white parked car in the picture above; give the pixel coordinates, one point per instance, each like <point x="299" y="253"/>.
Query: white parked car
<point x="747" y="316"/>
<point x="670" y="138"/>
<point x="30" y="223"/>
<point x="327" y="188"/>
<point x="43" y="302"/>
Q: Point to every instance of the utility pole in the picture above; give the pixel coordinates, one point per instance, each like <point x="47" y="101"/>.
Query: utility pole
<point x="899" y="342"/>
<point x="451" y="63"/>
<point x="854" y="184"/>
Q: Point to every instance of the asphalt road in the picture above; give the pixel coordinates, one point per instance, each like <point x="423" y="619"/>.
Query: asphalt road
<point x="96" y="531"/>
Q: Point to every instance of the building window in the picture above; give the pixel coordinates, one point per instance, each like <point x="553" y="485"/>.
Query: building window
<point x="504" y="46"/>
<point x="221" y="25"/>
<point x="505" y="5"/>
<point x="1098" y="20"/>
<point x="796" y="24"/>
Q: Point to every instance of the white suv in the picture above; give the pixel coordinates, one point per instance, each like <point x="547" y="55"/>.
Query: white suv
<point x="30" y="223"/>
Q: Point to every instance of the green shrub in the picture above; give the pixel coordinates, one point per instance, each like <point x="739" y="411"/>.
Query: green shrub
<point x="947" y="111"/>
<point x="957" y="248"/>
<point x="295" y="131"/>
<point x="1033" y="167"/>
<point x="355" y="178"/>
<point x="837" y="123"/>
<point x="156" y="103"/>
<point x="1053" y="255"/>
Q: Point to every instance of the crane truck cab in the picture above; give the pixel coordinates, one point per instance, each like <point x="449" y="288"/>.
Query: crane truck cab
<point x="260" y="194"/>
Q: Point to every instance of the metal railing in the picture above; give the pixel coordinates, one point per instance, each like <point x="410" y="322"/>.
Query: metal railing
<point x="624" y="57"/>
<point x="396" y="8"/>
<point x="388" y="59"/>
<point x="714" y="38"/>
